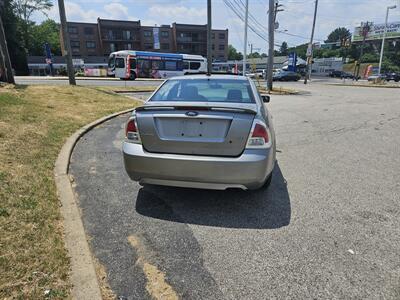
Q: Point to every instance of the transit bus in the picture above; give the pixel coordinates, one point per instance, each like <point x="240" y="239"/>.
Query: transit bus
<point x="127" y="64"/>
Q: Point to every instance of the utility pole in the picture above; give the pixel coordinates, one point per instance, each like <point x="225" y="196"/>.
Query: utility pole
<point x="67" y="45"/>
<point x="5" y="57"/>
<point x="384" y="36"/>
<point x="271" y="29"/>
<point x="209" y="56"/>
<point x="246" y="19"/>
<point x="310" y="46"/>
<point x="365" y="29"/>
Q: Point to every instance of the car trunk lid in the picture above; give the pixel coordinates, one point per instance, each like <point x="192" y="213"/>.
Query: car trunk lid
<point x="195" y="129"/>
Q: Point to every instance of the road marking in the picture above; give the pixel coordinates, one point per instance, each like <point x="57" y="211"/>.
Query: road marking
<point x="156" y="285"/>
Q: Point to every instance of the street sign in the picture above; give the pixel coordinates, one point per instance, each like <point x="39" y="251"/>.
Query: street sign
<point x="78" y="62"/>
<point x="49" y="61"/>
<point x="309" y="50"/>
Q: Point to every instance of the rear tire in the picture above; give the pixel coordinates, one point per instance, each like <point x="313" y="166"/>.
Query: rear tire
<point x="267" y="182"/>
<point x="133" y="76"/>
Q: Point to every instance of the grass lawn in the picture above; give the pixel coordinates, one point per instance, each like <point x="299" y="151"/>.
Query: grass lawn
<point x="34" y="123"/>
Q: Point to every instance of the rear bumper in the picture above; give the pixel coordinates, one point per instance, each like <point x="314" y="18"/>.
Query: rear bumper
<point x="248" y="171"/>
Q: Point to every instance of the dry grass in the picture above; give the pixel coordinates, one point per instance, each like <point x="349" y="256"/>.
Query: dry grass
<point x="126" y="88"/>
<point x="34" y="123"/>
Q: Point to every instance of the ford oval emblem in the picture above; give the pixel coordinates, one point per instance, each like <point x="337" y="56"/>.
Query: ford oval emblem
<point x="192" y="113"/>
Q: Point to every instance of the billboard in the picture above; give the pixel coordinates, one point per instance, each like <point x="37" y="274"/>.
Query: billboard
<point x="156" y="38"/>
<point x="292" y="61"/>
<point x="376" y="32"/>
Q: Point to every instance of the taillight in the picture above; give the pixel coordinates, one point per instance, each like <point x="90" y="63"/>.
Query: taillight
<point x="259" y="136"/>
<point x="131" y="131"/>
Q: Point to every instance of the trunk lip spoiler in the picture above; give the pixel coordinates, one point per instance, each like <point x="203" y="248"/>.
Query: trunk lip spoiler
<point x="194" y="107"/>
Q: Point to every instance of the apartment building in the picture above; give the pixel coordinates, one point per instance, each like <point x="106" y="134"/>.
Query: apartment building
<point x="84" y="39"/>
<point x="106" y="36"/>
<point x="157" y="39"/>
<point x="219" y="45"/>
<point x="118" y="35"/>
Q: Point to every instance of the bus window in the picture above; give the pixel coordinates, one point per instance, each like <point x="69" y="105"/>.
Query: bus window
<point x="185" y="65"/>
<point x="194" y="65"/>
<point x="157" y="65"/>
<point x="144" y="68"/>
<point x="119" y="62"/>
<point x="170" y="65"/>
<point x="179" y="64"/>
<point x="132" y="64"/>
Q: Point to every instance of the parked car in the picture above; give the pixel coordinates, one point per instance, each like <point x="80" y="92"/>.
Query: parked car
<point x="376" y="77"/>
<point x="261" y="73"/>
<point x="286" y="76"/>
<point x="251" y="75"/>
<point x="202" y="131"/>
<point x="340" y="74"/>
<point x="392" y="76"/>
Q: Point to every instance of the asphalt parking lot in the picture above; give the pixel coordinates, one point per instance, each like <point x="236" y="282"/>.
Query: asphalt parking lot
<point x="327" y="228"/>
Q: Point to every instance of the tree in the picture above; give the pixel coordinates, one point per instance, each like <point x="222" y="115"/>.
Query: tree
<point x="24" y="10"/>
<point x="47" y="32"/>
<point x="233" y="54"/>
<point x="338" y="35"/>
<point x="300" y="50"/>
<point x="284" y="49"/>
<point x="254" y="55"/>
<point x="12" y="29"/>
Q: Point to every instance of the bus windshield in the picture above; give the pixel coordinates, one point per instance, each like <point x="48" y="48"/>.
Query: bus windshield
<point x="111" y="61"/>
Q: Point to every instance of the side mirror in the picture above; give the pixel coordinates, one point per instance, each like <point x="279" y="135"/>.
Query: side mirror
<point x="265" y="98"/>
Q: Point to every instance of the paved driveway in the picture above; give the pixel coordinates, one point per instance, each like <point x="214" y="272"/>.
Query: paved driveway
<point x="328" y="227"/>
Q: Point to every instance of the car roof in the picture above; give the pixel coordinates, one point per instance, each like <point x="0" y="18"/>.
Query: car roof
<point x="212" y="76"/>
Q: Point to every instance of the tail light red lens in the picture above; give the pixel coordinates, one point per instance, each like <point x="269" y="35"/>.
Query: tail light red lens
<point x="259" y="137"/>
<point x="131" y="126"/>
<point x="131" y="131"/>
<point x="260" y="132"/>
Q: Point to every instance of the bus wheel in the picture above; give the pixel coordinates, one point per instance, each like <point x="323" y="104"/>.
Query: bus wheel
<point x="133" y="76"/>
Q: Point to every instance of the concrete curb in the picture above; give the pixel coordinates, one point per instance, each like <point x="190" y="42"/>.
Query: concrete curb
<point x="133" y="92"/>
<point x="367" y="85"/>
<point x="83" y="274"/>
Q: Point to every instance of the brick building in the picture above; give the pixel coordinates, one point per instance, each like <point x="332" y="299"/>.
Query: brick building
<point x="106" y="36"/>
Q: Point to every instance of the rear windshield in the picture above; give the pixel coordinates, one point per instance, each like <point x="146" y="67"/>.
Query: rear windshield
<point x="205" y="90"/>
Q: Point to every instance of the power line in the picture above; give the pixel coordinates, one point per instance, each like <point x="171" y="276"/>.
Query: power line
<point x="241" y="17"/>
<point x="239" y="12"/>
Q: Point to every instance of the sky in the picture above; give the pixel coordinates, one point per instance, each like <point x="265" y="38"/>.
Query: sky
<point x="295" y="21"/>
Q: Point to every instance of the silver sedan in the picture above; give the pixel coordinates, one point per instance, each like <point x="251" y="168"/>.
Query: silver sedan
<point x="202" y="131"/>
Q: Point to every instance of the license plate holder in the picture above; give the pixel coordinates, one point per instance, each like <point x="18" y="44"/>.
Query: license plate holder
<point x="192" y="128"/>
